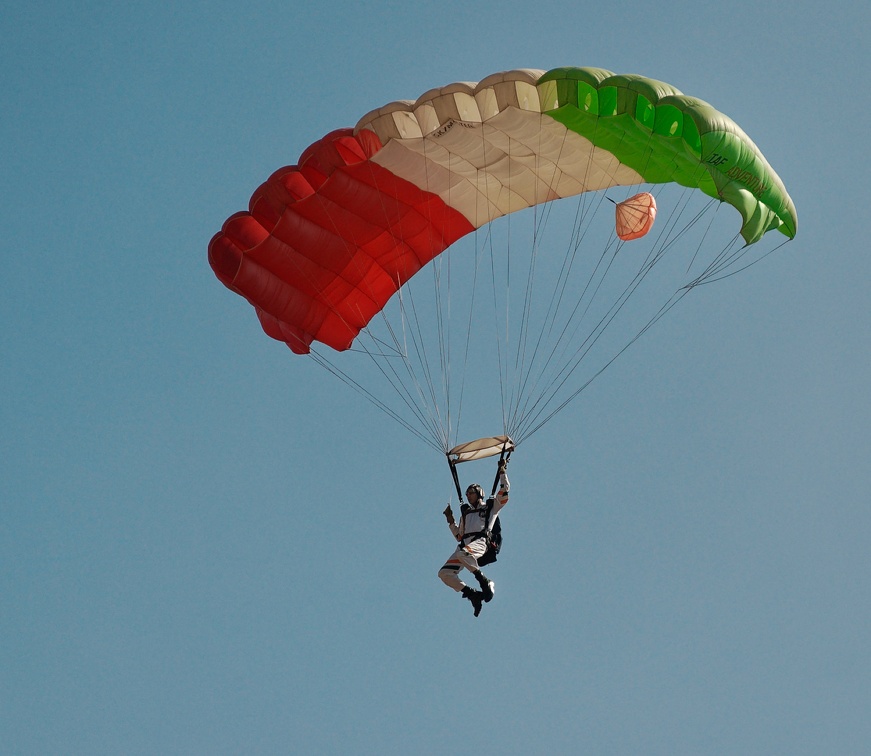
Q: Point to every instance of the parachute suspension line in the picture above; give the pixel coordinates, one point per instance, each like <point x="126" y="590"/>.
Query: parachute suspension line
<point x="585" y="207"/>
<point x="702" y="240"/>
<point x="550" y="316"/>
<point x="579" y="230"/>
<point x="399" y="385"/>
<point x="520" y="353"/>
<point x="744" y="267"/>
<point x="726" y="259"/>
<point x="447" y="361"/>
<point x="561" y="345"/>
<point x="577" y="238"/>
<point x="345" y="378"/>
<point x="427" y="420"/>
<point x="553" y="315"/>
<point x="673" y="300"/>
<point x="507" y="294"/>
<point x="526" y="431"/>
<point x="418" y="340"/>
<point x="474" y="286"/>
<point x="479" y="252"/>
<point x="539" y="229"/>
<point x="438" y="266"/>
<point x="412" y="327"/>
<point x="541" y="215"/>
<point x="533" y="424"/>
<point x="718" y="266"/>
<point x="433" y="422"/>
<point x="469" y="329"/>
<point x="541" y="218"/>
<point x="502" y="296"/>
<point x="502" y="365"/>
<point x="402" y="391"/>
<point x="540" y="223"/>
<point x="572" y="363"/>
<point x="444" y="320"/>
<point x="519" y="412"/>
<point x="419" y="343"/>
<point x="681" y="205"/>
<point x="732" y="251"/>
<point x="325" y="363"/>
<point x="665" y="308"/>
<point x="560" y="285"/>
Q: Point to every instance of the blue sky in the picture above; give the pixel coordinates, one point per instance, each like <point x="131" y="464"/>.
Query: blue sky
<point x="208" y="547"/>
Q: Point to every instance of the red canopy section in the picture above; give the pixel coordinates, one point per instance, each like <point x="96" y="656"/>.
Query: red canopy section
<point x="327" y="242"/>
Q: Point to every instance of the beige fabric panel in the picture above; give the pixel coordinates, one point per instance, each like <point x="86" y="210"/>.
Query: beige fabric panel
<point x="486" y="149"/>
<point x="513" y="161"/>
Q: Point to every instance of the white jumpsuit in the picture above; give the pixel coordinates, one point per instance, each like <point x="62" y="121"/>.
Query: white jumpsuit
<point x="473" y="546"/>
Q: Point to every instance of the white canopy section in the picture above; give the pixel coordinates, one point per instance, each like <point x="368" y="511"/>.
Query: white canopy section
<point x="487" y="149"/>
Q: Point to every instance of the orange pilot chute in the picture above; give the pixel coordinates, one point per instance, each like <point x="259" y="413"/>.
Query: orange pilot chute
<point x="635" y="216"/>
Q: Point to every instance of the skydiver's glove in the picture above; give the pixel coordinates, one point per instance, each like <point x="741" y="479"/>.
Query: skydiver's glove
<point x="449" y="515"/>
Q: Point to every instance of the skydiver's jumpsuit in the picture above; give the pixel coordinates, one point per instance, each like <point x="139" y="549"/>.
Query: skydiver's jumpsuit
<point x="472" y="546"/>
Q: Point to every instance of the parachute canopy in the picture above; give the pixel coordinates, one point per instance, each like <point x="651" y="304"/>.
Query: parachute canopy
<point x="327" y="242"/>
<point x="635" y="216"/>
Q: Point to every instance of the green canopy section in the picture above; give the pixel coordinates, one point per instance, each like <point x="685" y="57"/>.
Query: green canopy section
<point x="668" y="137"/>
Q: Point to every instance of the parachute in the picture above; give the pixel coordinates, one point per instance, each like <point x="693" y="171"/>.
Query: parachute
<point x="634" y="217"/>
<point x="328" y="247"/>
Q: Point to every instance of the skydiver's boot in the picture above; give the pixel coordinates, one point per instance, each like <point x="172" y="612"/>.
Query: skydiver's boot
<point x="476" y="597"/>
<point x="487" y="586"/>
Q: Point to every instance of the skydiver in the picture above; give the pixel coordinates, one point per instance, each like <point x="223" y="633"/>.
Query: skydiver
<point x="473" y="534"/>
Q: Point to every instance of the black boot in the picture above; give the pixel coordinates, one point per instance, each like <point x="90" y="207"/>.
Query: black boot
<point x="487" y="586"/>
<point x="476" y="597"/>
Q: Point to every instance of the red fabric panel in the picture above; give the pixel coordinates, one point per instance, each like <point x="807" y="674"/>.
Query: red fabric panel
<point x="325" y="244"/>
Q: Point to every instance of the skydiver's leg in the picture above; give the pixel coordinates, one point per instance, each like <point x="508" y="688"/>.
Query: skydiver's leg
<point x="450" y="576"/>
<point x="487" y="585"/>
<point x="463" y="556"/>
<point x="471" y="553"/>
<point x="449" y="573"/>
<point x="468" y="557"/>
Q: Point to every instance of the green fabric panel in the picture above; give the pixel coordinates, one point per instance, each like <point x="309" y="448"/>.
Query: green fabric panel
<point x="588" y="98"/>
<point x="593" y="76"/>
<point x="645" y="112"/>
<point x="659" y="159"/>
<point x="667" y="136"/>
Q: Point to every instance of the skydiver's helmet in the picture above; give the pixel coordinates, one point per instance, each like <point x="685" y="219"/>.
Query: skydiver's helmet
<point x="477" y="489"/>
